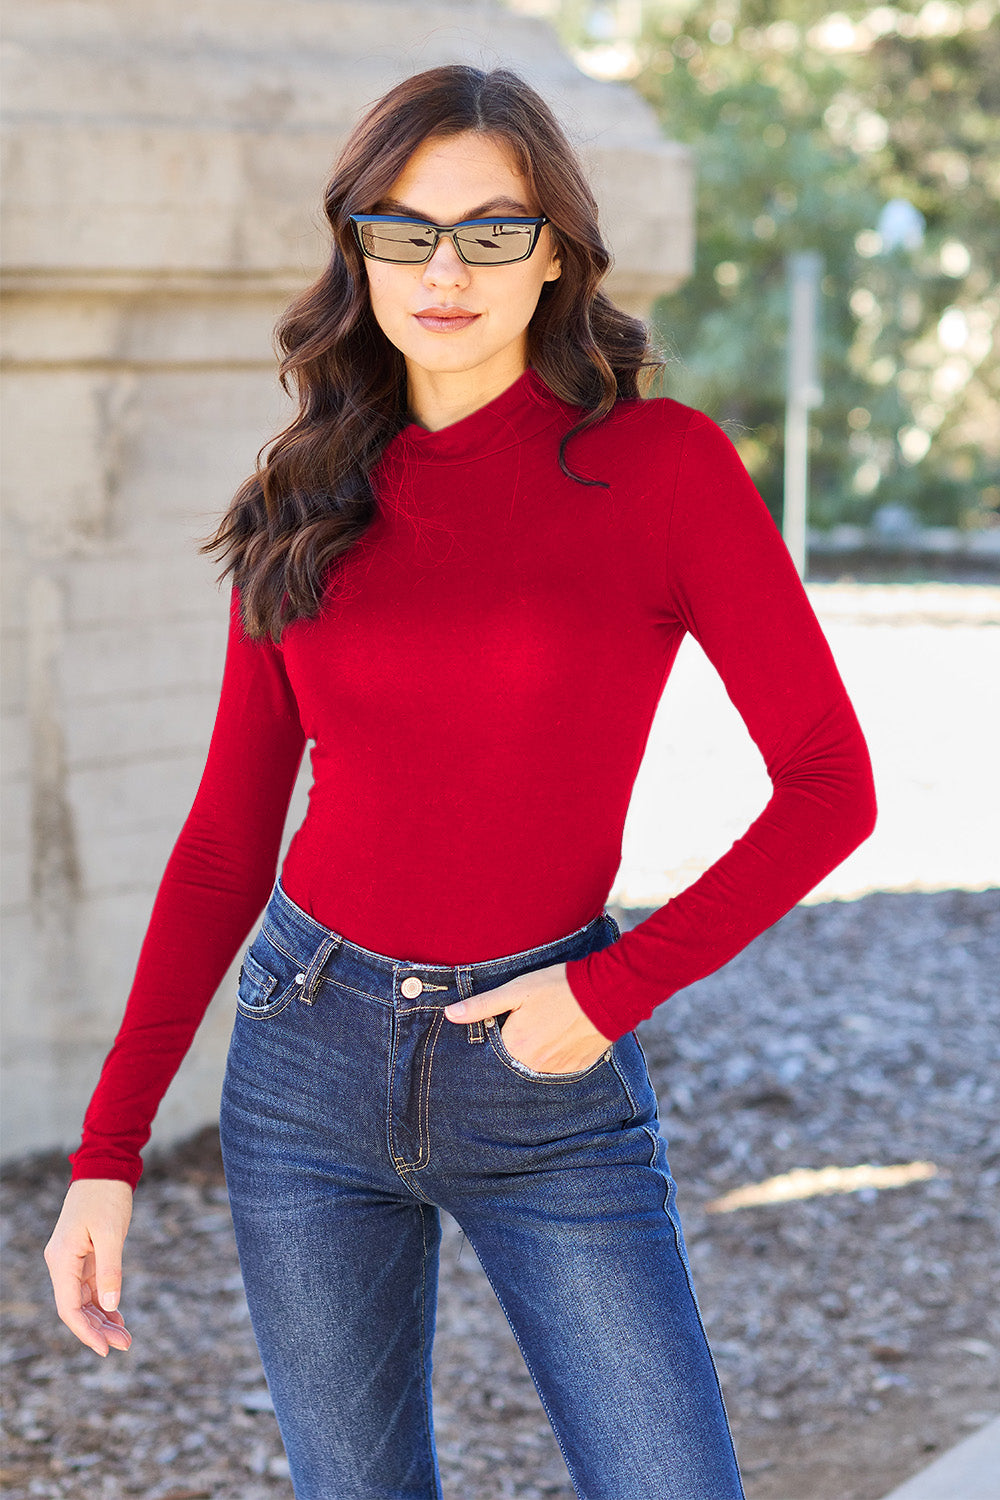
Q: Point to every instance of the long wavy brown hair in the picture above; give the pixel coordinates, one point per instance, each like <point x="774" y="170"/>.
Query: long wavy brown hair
<point x="311" y="497"/>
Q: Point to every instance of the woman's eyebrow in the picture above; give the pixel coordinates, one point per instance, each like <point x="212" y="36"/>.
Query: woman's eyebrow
<point x="495" y="205"/>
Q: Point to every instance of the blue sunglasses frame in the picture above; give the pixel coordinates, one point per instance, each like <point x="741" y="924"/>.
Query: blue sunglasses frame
<point x="358" y="221"/>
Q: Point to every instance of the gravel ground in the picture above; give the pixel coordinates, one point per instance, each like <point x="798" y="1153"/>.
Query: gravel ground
<point x="856" y="1334"/>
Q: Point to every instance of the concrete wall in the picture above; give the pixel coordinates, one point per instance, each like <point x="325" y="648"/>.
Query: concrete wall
<point x="163" y="169"/>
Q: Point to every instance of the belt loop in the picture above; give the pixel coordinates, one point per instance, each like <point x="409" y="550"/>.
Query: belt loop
<point x="463" y="981"/>
<point x="310" y="983"/>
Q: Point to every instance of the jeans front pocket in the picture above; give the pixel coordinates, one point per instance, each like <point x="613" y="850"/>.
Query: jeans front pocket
<point x="522" y="1069"/>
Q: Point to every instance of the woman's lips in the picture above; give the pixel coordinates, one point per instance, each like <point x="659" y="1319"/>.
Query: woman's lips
<point x="445" y="320"/>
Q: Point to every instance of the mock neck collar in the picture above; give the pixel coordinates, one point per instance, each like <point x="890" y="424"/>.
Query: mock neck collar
<point x="524" y="408"/>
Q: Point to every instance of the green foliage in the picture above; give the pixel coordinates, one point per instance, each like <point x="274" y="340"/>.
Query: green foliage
<point x="804" y="124"/>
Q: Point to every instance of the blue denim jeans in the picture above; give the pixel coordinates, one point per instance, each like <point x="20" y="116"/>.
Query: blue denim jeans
<point x="352" y="1112"/>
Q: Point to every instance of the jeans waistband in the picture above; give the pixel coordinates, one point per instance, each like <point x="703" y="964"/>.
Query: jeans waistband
<point x="317" y="948"/>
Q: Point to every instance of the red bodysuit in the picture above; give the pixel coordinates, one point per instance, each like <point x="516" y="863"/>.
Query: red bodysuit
<point x="478" y="690"/>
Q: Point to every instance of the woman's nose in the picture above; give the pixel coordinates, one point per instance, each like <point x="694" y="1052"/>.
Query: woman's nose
<point x="446" y="266"/>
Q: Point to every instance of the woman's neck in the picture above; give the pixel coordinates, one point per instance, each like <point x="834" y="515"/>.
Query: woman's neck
<point x="438" y="398"/>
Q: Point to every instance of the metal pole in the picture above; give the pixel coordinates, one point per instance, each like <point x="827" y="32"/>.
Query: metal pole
<point x="803" y="392"/>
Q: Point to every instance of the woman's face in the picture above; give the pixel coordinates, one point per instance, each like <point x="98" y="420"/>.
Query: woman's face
<point x="461" y="329"/>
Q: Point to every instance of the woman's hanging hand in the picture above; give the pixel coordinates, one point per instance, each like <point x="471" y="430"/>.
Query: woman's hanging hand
<point x="84" y="1257"/>
<point x="546" y="1029"/>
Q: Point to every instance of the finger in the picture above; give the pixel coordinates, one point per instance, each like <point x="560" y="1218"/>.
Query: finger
<point x="480" y="1007"/>
<point x="72" y="1272"/>
<point x="83" y="1257"/>
<point x="110" y="1325"/>
<point x="74" y="1307"/>
<point x="107" y="1269"/>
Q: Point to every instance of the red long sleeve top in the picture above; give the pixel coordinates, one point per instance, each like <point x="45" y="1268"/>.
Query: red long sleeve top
<point x="478" y="689"/>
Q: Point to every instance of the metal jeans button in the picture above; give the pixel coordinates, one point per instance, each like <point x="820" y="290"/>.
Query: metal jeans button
<point x="411" y="987"/>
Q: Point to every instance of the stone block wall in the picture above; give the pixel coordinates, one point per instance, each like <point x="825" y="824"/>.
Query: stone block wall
<point x="163" y="165"/>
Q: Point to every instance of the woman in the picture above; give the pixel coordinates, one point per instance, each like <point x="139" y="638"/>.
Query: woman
<point x="464" y="572"/>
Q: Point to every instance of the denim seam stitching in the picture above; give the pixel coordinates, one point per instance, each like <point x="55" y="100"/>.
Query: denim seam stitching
<point x="269" y="1014"/>
<point x="475" y="1031"/>
<point x="280" y="948"/>
<point x="329" y="943"/>
<point x="352" y="989"/>
<point x="425" y="1392"/>
<point x="404" y="1173"/>
<point x="400" y="1165"/>
<point x="529" y="1075"/>
<point x="397" y="1161"/>
<point x="424" y="1097"/>
<point x="266" y="1012"/>
<point x="647" y="1131"/>
<point x="511" y="958"/>
<point x="265" y="990"/>
<point x="315" y="969"/>
<point x="321" y="978"/>
<point x="613" y="1060"/>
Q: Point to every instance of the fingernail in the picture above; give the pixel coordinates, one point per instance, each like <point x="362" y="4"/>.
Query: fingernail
<point x="455" y="1012"/>
<point x="109" y="1301"/>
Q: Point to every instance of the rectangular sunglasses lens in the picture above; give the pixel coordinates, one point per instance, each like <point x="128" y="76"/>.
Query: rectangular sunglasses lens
<point x="486" y="244"/>
<point x="400" y="242"/>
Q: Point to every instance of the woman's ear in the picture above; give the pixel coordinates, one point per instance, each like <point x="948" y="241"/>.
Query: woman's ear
<point x="554" y="269"/>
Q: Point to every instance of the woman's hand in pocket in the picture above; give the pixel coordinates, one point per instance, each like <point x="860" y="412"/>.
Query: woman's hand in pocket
<point x="546" y="1030"/>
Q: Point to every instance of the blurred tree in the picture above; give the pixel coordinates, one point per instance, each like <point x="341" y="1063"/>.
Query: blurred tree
<point x="805" y="125"/>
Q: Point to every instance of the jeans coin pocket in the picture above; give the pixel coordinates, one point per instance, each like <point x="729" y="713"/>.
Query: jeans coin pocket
<point x="255" y="996"/>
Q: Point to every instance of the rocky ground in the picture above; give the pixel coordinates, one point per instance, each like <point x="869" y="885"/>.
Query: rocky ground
<point x="856" y="1334"/>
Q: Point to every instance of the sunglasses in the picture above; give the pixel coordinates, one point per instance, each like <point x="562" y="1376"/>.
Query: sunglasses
<point x="478" y="242"/>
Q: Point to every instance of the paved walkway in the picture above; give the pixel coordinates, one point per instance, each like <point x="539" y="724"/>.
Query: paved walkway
<point x="922" y="665"/>
<point x="970" y="1471"/>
